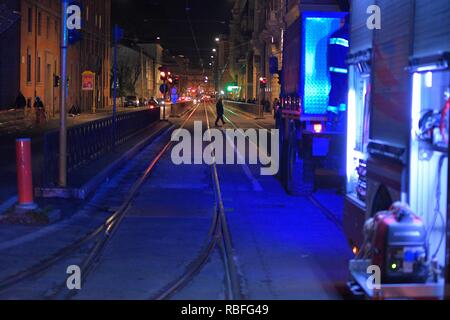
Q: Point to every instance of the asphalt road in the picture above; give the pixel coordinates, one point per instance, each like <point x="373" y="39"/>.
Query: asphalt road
<point x="285" y="247"/>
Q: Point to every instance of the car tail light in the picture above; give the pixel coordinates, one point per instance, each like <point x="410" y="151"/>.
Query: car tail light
<point x="318" y="128"/>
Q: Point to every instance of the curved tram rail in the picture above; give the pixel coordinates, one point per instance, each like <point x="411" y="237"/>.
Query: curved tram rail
<point x="101" y="235"/>
<point x="219" y="237"/>
<point x="99" y="238"/>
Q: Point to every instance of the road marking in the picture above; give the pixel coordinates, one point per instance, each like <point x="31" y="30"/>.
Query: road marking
<point x="255" y="183"/>
<point x="256" y="123"/>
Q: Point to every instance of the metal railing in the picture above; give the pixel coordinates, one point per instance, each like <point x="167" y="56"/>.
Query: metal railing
<point x="254" y="109"/>
<point x="89" y="141"/>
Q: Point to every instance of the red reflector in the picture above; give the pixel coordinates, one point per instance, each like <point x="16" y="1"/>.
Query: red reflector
<point x="318" y="128"/>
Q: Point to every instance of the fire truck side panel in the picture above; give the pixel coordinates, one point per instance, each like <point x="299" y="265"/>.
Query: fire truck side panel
<point x="292" y="50"/>
<point x="298" y="163"/>
<point x="361" y="39"/>
<point x="391" y="82"/>
<point x="428" y="162"/>
<point x="431" y="37"/>
<point x="406" y="155"/>
<point x="291" y="59"/>
<point x="360" y="36"/>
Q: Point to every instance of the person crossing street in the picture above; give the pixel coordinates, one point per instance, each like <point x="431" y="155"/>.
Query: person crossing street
<point x="220" y="112"/>
<point x="40" y="112"/>
<point x="21" y="102"/>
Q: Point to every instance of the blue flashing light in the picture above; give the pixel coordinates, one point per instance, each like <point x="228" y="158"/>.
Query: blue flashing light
<point x="316" y="86"/>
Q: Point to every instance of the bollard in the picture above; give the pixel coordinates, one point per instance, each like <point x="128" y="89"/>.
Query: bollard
<point x="24" y="175"/>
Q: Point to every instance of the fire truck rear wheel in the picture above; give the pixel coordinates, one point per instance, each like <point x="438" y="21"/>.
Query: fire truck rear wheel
<point x="300" y="170"/>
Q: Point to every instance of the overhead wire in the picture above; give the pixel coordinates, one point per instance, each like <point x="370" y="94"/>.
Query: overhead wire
<point x="193" y="35"/>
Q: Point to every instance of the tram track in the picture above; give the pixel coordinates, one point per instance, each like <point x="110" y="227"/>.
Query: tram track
<point x="220" y="238"/>
<point x="96" y="241"/>
<point x="100" y="236"/>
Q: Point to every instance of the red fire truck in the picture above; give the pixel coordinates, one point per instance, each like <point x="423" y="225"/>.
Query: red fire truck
<point x="397" y="133"/>
<point x="313" y="97"/>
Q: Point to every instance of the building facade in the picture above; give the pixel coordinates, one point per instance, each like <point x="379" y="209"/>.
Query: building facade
<point x="138" y="69"/>
<point x="91" y="54"/>
<point x="40" y="51"/>
<point x="254" y="47"/>
<point x="35" y="55"/>
<point x="9" y="52"/>
<point x="153" y="53"/>
<point x="255" y="39"/>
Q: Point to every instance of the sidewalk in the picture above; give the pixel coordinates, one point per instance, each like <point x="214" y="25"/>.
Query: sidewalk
<point x="15" y="122"/>
<point x="26" y="128"/>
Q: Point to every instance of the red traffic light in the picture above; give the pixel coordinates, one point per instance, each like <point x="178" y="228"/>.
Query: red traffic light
<point x="163" y="72"/>
<point x="263" y="82"/>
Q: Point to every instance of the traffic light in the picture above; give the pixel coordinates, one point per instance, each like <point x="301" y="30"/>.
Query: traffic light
<point x="263" y="82"/>
<point x="163" y="73"/>
<point x="56" y="81"/>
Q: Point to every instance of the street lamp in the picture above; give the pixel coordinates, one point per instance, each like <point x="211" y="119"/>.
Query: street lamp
<point x="214" y="50"/>
<point x="217" y="39"/>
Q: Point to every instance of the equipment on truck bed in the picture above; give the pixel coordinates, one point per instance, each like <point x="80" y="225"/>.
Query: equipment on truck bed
<point x="396" y="242"/>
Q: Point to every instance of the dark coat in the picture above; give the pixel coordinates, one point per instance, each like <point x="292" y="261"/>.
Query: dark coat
<point x="21" y="102"/>
<point x="219" y="107"/>
<point x="38" y="104"/>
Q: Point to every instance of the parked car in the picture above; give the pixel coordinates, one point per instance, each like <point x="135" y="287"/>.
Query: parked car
<point x="152" y="103"/>
<point x="160" y="102"/>
<point x="131" y="101"/>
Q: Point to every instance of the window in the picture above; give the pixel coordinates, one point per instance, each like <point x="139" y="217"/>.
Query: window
<point x="39" y="26"/>
<point x="28" y="65"/>
<point x="38" y="67"/>
<point x="30" y="20"/>
<point x="48" y="27"/>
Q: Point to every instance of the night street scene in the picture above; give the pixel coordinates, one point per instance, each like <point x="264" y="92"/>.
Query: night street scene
<point x="203" y="151"/>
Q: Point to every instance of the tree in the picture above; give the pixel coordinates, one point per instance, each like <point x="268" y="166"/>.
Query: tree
<point x="128" y="71"/>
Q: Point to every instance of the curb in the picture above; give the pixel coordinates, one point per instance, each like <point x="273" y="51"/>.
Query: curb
<point x="89" y="187"/>
<point x="8" y="204"/>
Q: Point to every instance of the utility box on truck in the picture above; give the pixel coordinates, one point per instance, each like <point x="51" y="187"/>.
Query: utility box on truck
<point x="310" y="139"/>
